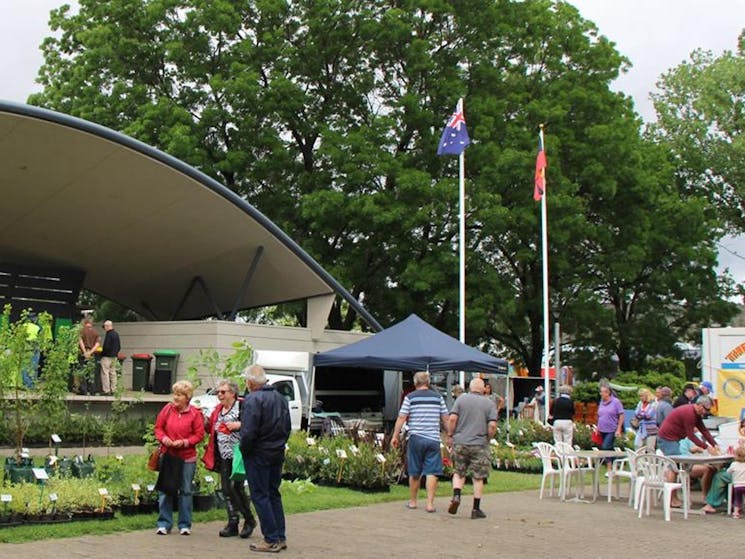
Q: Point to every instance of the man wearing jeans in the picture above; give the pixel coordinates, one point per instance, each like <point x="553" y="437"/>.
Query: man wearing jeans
<point x="423" y="410"/>
<point x="265" y="428"/>
<point x="680" y="424"/>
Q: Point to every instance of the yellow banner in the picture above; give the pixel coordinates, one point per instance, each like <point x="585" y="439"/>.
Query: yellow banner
<point x="731" y="392"/>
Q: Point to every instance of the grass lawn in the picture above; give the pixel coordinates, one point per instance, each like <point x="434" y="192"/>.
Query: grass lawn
<point x="297" y="497"/>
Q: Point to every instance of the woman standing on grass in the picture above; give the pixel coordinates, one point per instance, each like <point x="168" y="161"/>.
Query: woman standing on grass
<point x="179" y="428"/>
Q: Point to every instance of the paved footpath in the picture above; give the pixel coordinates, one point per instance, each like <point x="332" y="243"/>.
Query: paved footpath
<point x="518" y="525"/>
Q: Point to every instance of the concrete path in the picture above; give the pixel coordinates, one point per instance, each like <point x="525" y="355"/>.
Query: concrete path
<point x="518" y="525"/>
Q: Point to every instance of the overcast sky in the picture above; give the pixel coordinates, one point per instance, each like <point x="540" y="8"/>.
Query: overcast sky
<point x="654" y="34"/>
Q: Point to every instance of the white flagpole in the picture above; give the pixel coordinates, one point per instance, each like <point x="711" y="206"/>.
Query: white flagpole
<point x="462" y="247"/>
<point x="544" y="243"/>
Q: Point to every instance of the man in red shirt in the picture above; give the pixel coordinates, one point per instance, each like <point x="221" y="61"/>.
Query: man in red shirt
<point x="680" y="424"/>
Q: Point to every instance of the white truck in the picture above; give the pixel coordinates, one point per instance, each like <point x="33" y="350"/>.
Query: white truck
<point x="345" y="394"/>
<point x="285" y="385"/>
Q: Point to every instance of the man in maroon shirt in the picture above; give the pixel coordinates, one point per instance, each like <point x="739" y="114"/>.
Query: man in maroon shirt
<point x="680" y="424"/>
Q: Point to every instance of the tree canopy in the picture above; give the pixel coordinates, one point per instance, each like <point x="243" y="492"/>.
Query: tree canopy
<point x="701" y="116"/>
<point x="325" y="114"/>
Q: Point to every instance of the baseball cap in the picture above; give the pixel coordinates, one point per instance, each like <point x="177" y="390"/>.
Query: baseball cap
<point x="706" y="384"/>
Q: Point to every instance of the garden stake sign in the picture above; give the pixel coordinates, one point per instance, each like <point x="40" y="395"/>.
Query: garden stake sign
<point x="40" y="474"/>
<point x="342" y="455"/>
<point x="53" y="500"/>
<point x="104" y="495"/>
<point x="136" y="490"/>
<point x="5" y="499"/>
<point x="380" y="458"/>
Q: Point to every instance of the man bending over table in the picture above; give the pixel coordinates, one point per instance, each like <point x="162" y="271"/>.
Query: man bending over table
<point x="680" y="424"/>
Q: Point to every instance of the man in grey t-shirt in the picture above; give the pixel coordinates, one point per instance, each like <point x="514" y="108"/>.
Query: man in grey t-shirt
<point x="472" y="423"/>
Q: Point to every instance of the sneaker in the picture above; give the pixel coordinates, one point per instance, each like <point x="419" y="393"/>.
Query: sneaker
<point x="266" y="547"/>
<point x="454" y="504"/>
<point x="162" y="531"/>
<point x="282" y="544"/>
<point x="477" y="513"/>
<point x="185" y="531"/>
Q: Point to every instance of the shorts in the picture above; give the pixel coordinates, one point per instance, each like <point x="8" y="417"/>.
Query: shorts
<point x="473" y="460"/>
<point x="668" y="448"/>
<point x="423" y="457"/>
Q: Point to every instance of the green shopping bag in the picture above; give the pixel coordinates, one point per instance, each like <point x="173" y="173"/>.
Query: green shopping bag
<point x="238" y="472"/>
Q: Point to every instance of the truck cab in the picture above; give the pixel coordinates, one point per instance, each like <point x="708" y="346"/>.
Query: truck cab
<point x="287" y="386"/>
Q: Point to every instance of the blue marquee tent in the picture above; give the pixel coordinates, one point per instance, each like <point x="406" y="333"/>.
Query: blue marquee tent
<point x="411" y="345"/>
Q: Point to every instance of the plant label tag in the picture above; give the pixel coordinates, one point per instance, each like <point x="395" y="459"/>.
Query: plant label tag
<point x="326" y="461"/>
<point x="40" y="473"/>
<point x="209" y="479"/>
<point x="380" y="458"/>
<point x="354" y="449"/>
<point x="135" y="487"/>
<point x="151" y="487"/>
<point x="361" y="434"/>
<point x="341" y="453"/>
<point x="5" y="498"/>
<point x="119" y="457"/>
<point x="103" y="491"/>
<point x="56" y="438"/>
<point x="310" y="441"/>
<point x="52" y="460"/>
<point x="24" y="453"/>
<point x="53" y="497"/>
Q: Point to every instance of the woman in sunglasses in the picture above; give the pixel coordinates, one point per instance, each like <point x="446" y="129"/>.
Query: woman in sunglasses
<point x="223" y="427"/>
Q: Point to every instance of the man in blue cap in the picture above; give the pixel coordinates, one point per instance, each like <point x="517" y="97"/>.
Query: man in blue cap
<point x="707" y="389"/>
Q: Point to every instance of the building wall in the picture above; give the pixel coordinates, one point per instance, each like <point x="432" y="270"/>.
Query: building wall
<point x="188" y="337"/>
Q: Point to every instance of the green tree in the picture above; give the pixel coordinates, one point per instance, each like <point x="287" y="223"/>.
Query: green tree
<point x="701" y="115"/>
<point x="325" y="114"/>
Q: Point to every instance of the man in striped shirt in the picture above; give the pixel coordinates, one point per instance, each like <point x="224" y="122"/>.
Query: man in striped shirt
<point x="423" y="411"/>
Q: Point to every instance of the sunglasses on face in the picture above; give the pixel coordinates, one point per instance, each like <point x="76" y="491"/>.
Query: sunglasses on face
<point x="223" y="391"/>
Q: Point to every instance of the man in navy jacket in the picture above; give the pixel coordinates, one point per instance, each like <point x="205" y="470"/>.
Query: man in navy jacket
<point x="265" y="428"/>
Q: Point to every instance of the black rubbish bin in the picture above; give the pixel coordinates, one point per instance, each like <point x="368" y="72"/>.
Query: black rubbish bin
<point x="166" y="361"/>
<point x="141" y="370"/>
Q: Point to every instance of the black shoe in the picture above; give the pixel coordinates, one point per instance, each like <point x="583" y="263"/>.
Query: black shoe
<point x="454" y="504"/>
<point x="230" y="530"/>
<point x="248" y="528"/>
<point x="477" y="513"/>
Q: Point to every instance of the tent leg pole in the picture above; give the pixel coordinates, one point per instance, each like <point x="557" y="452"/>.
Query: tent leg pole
<point x="311" y="396"/>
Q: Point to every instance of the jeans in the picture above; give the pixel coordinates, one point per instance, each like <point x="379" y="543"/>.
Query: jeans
<point x="264" y="474"/>
<point x="165" y="502"/>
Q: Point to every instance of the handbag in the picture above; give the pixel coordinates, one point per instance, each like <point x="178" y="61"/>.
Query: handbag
<point x="596" y="437"/>
<point x="154" y="460"/>
<point x="238" y="471"/>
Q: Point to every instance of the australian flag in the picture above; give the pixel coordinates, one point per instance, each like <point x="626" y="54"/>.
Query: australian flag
<point x="455" y="136"/>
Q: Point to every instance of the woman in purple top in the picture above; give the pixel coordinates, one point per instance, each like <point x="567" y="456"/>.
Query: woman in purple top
<point x="610" y="418"/>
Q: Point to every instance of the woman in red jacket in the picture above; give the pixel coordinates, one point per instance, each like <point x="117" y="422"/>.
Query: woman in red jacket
<point x="179" y="428"/>
<point x="223" y="428"/>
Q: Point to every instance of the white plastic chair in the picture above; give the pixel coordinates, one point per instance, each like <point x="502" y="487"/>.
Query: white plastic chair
<point x="552" y="467"/>
<point x="652" y="468"/>
<point x="572" y="466"/>
<point x="625" y="468"/>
